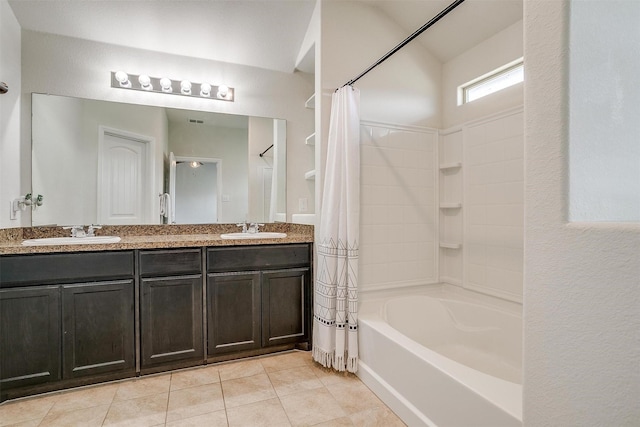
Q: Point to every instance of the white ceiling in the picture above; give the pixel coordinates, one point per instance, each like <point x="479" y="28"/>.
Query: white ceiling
<point x="259" y="33"/>
<point x="468" y="24"/>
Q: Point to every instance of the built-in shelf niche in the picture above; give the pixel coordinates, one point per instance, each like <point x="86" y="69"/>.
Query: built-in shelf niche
<point x="449" y="245"/>
<point x="450" y="191"/>
<point x="306" y="63"/>
<point x="454" y="205"/>
<point x="450" y="166"/>
<point x="311" y="102"/>
<point x="311" y="139"/>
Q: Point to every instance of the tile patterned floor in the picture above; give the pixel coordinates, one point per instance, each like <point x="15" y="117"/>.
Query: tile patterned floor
<point x="287" y="389"/>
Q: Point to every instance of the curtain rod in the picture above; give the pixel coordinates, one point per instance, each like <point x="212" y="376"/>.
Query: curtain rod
<point x="407" y="40"/>
<point x="262" y="154"/>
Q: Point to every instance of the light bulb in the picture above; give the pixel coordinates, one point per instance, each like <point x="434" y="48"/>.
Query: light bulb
<point x="223" y="91"/>
<point x="185" y="87"/>
<point x="123" y="79"/>
<point x="165" y="84"/>
<point x="195" y="164"/>
<point x="145" y="82"/>
<point x="205" y="89"/>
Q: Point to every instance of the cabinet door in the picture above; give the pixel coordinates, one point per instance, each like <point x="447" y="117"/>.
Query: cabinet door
<point x="233" y="310"/>
<point x="171" y="320"/>
<point x="285" y="304"/>
<point x="98" y="328"/>
<point x="29" y="336"/>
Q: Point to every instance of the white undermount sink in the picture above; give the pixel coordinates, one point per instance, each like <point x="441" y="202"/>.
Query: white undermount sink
<point x="49" y="241"/>
<point x="259" y="235"/>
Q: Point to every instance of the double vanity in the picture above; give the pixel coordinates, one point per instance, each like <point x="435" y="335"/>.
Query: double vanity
<point x="160" y="298"/>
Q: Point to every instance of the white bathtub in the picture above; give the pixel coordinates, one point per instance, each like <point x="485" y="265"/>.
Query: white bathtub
<point x="442" y="356"/>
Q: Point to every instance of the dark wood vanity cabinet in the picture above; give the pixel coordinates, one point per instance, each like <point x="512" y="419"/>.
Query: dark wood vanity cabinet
<point x="29" y="336"/>
<point x="286" y="303"/>
<point x="257" y="297"/>
<point x="98" y="328"/>
<point x="69" y="319"/>
<point x="171" y="309"/>
<point x="233" y="312"/>
<point x="66" y="317"/>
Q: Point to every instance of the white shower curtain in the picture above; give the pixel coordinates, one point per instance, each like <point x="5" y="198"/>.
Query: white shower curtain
<point x="335" y="329"/>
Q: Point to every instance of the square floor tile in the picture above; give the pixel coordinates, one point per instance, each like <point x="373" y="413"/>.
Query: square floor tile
<point x="194" y="401"/>
<point x="30" y="423"/>
<point x="194" y="377"/>
<point x="86" y="417"/>
<point x="242" y="391"/>
<point x="141" y="412"/>
<point x="311" y="407"/>
<point x="353" y="396"/>
<point x="144" y="386"/>
<point x="293" y="380"/>
<point x="245" y="368"/>
<point x="259" y="414"/>
<point x="212" y="419"/>
<point x="338" y="422"/>
<point x="290" y="360"/>
<point x="26" y="409"/>
<point x="378" y="417"/>
<point x="84" y="398"/>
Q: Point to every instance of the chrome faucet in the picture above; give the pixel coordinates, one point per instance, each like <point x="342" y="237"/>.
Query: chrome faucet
<point x="76" y="231"/>
<point x="92" y="229"/>
<point x="254" y="227"/>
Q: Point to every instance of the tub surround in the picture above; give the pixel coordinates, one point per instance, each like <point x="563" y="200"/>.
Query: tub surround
<point x="150" y="237"/>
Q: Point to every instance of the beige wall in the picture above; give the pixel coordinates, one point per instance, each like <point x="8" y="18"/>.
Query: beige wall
<point x="488" y="55"/>
<point x="582" y="280"/>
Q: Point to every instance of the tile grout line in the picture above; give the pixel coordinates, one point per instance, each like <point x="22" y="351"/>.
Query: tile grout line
<point x="224" y="401"/>
<point x="110" y="404"/>
<point x="286" y="414"/>
<point x="49" y="410"/>
<point x="166" y="412"/>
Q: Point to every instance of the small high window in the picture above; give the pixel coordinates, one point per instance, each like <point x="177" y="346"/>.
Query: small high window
<point x="501" y="78"/>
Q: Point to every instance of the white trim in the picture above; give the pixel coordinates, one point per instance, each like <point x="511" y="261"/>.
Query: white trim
<point x="449" y="131"/>
<point x="452" y="280"/>
<point x="461" y="92"/>
<point x="491" y="117"/>
<point x="397" y="285"/>
<point x="395" y="126"/>
<point x="487" y="290"/>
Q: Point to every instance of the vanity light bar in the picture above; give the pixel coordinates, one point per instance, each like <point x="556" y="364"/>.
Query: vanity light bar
<point x="122" y="80"/>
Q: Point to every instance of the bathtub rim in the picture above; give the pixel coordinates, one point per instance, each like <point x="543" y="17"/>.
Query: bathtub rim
<point x="503" y="394"/>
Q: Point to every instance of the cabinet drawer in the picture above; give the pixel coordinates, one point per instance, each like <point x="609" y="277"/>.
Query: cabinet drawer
<point x="170" y="262"/>
<point x="20" y="270"/>
<point x="242" y="258"/>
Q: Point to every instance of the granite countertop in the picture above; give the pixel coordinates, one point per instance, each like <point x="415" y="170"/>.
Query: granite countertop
<point x="150" y="237"/>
